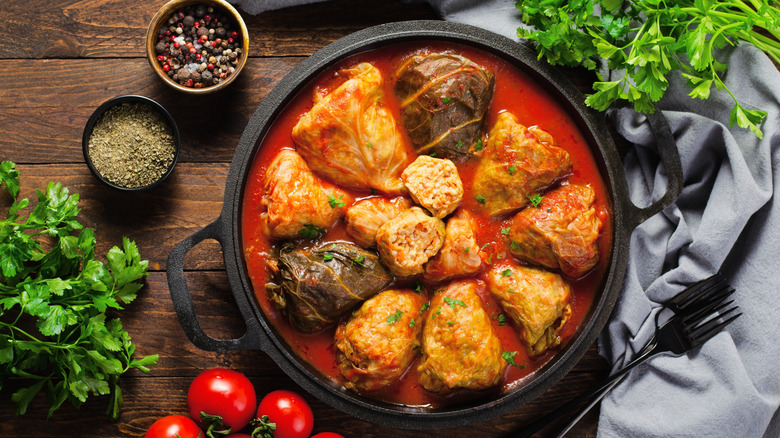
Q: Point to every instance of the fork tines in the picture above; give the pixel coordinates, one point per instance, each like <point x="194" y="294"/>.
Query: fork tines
<point x="707" y="321"/>
<point x="714" y="289"/>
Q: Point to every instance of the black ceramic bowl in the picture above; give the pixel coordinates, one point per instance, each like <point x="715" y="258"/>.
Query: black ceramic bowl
<point x="157" y="176"/>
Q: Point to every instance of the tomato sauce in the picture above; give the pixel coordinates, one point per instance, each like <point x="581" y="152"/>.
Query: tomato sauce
<point x="515" y="92"/>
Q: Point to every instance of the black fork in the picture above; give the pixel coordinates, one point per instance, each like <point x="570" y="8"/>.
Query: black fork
<point x="700" y="314"/>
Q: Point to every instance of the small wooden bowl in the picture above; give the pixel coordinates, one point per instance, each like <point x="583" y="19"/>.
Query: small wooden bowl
<point x="160" y="19"/>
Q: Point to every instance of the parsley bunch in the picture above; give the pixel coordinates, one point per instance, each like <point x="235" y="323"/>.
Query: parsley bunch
<point x="54" y="331"/>
<point x="647" y="39"/>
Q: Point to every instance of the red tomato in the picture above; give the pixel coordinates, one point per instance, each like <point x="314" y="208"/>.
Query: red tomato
<point x="289" y="411"/>
<point x="174" y="426"/>
<point x="327" y="435"/>
<point x="225" y="393"/>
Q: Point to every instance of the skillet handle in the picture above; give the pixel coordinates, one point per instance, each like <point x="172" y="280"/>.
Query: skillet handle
<point x="670" y="157"/>
<point x="185" y="308"/>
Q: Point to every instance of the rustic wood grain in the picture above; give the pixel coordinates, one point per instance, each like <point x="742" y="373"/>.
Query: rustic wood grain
<point x="69" y="56"/>
<point x="116" y="28"/>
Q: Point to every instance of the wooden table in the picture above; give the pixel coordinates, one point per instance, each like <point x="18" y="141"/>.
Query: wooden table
<point x="59" y="60"/>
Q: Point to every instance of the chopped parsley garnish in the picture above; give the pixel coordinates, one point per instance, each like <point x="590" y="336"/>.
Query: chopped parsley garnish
<point x="511" y="291"/>
<point x="483" y="246"/>
<point x="535" y="199"/>
<point x="481" y="199"/>
<point x="509" y="357"/>
<point x="359" y="260"/>
<point x="327" y="257"/>
<point x="502" y="319"/>
<point x="505" y="231"/>
<point x="512" y="169"/>
<point x="411" y="323"/>
<point x="432" y="155"/>
<point x="336" y="202"/>
<point x="478" y="146"/>
<point x="452" y="302"/>
<point x="460" y="144"/>
<point x="446" y="100"/>
<point x="514" y="246"/>
<point x="450" y="323"/>
<point x="424" y="307"/>
<point x="467" y="249"/>
<point x="438" y="312"/>
<point x="506" y="273"/>
<point x="417" y="287"/>
<point x="392" y="319"/>
<point x="368" y="143"/>
<point x="311" y="231"/>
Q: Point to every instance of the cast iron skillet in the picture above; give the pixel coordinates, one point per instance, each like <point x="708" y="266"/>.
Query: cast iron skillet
<point x="261" y="335"/>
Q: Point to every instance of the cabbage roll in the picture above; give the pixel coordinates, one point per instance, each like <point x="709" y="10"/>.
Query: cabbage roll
<point x="517" y="163"/>
<point x="406" y="242"/>
<point x="561" y="233"/>
<point x="459" y="255"/>
<point x="296" y="200"/>
<point x="315" y="286"/>
<point x="444" y="98"/>
<point x="366" y="216"/>
<point x="536" y="300"/>
<point x="350" y="136"/>
<point x="382" y="338"/>
<point x="434" y="183"/>
<point x="460" y="347"/>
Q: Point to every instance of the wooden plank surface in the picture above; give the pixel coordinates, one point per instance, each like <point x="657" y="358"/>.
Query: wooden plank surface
<point x="69" y="56"/>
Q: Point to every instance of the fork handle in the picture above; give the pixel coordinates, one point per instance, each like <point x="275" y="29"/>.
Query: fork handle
<point x="598" y="391"/>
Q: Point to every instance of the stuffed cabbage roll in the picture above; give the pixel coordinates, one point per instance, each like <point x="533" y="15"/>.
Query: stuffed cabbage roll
<point x="459" y="255"/>
<point x="444" y="98"/>
<point x="376" y="346"/>
<point x="434" y="183"/>
<point x="315" y="286"/>
<point x="366" y="216"/>
<point x="350" y="136"/>
<point x="460" y="347"/>
<point x="561" y="233"/>
<point x="517" y="164"/>
<point x="296" y="199"/>
<point x="536" y="300"/>
<point x="406" y="242"/>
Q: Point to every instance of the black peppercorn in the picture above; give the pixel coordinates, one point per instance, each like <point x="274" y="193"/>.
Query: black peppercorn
<point x="220" y="32"/>
<point x="200" y="11"/>
<point x="206" y="76"/>
<point x="188" y="21"/>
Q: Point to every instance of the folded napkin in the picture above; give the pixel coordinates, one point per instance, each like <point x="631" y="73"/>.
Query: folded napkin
<point x="726" y="219"/>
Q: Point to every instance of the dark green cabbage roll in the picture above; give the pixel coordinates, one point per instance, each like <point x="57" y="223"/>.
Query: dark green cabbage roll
<point x="444" y="98"/>
<point x="315" y="286"/>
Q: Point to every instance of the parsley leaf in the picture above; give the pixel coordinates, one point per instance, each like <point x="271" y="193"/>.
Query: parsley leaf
<point x="65" y="291"/>
<point x="646" y="40"/>
<point x="509" y="357"/>
<point x="446" y="100"/>
<point x="506" y="273"/>
<point x="392" y="319"/>
<point x="535" y="199"/>
<point x="501" y="319"/>
<point x="481" y="199"/>
<point x="336" y="202"/>
<point x="327" y="257"/>
<point x="452" y="302"/>
<point x="505" y="231"/>
<point x="478" y="146"/>
<point x="311" y="231"/>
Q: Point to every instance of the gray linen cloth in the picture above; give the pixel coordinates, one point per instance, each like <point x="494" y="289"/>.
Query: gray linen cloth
<point x="726" y="219"/>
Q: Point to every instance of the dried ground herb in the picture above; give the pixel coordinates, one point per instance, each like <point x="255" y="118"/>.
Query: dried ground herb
<point x="132" y="145"/>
